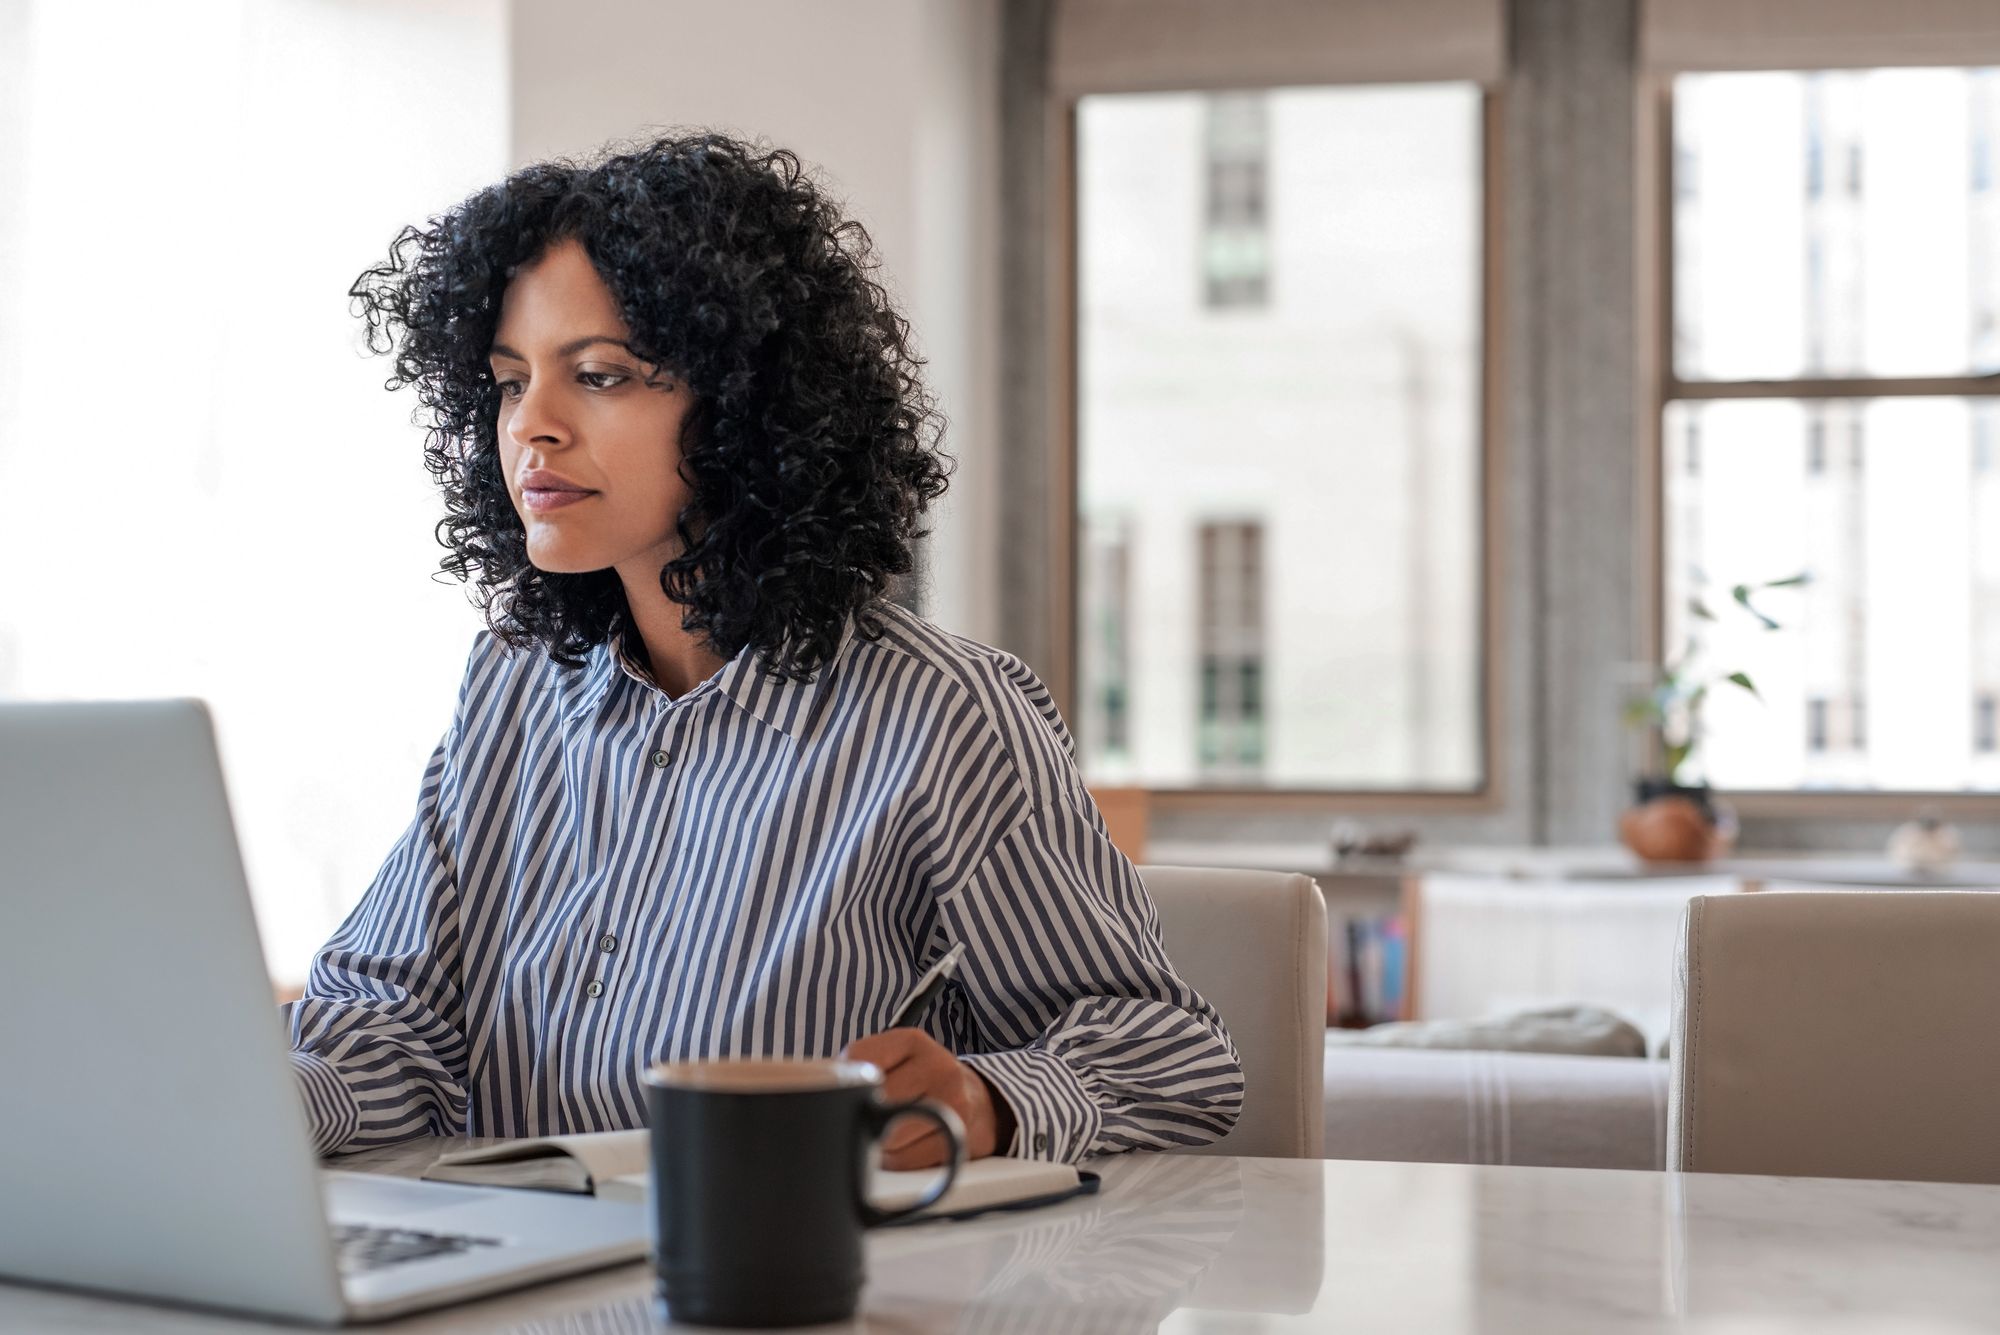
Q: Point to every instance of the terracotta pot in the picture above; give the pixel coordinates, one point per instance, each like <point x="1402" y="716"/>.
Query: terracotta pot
<point x="1675" y="828"/>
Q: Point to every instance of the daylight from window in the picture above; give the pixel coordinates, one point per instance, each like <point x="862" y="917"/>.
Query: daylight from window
<point x="1279" y="371"/>
<point x="1834" y="225"/>
<point x="214" y="495"/>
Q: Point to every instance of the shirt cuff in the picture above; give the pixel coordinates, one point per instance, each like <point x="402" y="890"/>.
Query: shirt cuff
<point x="1054" y="1115"/>
<point x="332" y="1115"/>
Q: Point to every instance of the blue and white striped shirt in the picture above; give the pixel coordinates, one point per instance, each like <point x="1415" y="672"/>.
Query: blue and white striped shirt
<point x="599" y="877"/>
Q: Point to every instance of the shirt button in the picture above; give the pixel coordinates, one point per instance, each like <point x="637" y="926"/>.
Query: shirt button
<point x="596" y="988"/>
<point x="607" y="943"/>
<point x="661" y="759"/>
<point x="1041" y="1143"/>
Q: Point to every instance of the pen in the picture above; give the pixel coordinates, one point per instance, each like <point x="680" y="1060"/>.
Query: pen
<point x="927" y="988"/>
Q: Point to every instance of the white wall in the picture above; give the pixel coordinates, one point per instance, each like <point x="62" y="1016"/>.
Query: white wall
<point x="896" y="101"/>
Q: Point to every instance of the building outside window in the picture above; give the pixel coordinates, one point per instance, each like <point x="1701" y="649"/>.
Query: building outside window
<point x="1230" y="722"/>
<point x="1106" y="723"/>
<point x="1283" y="430"/>
<point x="1835" y="291"/>
<point x="1236" y="245"/>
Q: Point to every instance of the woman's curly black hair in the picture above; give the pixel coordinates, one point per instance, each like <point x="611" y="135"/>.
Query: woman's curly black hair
<point x="812" y="445"/>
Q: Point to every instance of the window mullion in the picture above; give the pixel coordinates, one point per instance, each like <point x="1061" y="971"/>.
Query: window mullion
<point x="1845" y="387"/>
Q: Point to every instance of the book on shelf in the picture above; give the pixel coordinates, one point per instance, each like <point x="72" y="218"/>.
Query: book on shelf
<point x="1368" y="969"/>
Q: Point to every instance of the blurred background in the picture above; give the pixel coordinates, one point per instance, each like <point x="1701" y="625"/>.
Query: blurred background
<point x="1421" y="419"/>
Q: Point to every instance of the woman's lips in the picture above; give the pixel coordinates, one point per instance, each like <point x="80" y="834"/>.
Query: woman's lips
<point x="541" y="500"/>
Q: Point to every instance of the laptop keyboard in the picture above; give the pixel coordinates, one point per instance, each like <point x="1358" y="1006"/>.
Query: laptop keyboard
<point x="361" y="1248"/>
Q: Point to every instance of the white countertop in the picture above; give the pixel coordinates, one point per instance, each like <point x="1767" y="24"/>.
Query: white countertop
<point x="1181" y="1243"/>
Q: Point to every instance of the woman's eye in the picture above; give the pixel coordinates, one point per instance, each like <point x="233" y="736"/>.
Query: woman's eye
<point x="512" y="389"/>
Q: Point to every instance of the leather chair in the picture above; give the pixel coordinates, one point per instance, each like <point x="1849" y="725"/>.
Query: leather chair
<point x="1838" y="1034"/>
<point x="1253" y="943"/>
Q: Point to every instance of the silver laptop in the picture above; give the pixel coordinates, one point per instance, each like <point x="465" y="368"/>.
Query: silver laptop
<point x="151" y="1140"/>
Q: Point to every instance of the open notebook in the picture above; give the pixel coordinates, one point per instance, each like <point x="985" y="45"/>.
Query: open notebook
<point x="613" y="1164"/>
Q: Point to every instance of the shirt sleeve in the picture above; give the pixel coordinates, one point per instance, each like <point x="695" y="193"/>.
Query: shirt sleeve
<point x="1096" y="1043"/>
<point x="378" y="1039"/>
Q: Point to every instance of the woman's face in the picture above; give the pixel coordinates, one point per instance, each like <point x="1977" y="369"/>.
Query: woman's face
<point x="590" y="449"/>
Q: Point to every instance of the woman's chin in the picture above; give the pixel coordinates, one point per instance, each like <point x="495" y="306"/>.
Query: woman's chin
<point x="558" y="561"/>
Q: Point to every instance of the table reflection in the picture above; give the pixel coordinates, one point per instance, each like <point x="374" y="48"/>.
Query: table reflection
<point x="1915" y="1255"/>
<point x="1116" y="1262"/>
<point x="1120" y="1265"/>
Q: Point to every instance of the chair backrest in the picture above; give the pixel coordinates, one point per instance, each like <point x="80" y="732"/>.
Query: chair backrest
<point x="1253" y="943"/>
<point x="1839" y="1034"/>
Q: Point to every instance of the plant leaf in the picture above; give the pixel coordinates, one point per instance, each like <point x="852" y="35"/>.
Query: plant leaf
<point x="1791" y="582"/>
<point x="1677" y="755"/>
<point x="1699" y="609"/>
<point x="1741" y="593"/>
<point x="1743" y="679"/>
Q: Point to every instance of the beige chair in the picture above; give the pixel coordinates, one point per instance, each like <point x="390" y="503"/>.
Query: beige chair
<point x="1839" y="1034"/>
<point x="1254" y="944"/>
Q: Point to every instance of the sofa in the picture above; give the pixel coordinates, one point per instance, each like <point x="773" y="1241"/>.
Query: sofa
<point x="1433" y="1106"/>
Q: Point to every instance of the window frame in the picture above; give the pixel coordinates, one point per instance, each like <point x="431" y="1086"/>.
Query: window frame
<point x="1488" y="794"/>
<point x="1662" y="386"/>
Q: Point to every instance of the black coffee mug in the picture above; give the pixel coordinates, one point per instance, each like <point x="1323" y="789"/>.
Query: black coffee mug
<point x="760" y="1178"/>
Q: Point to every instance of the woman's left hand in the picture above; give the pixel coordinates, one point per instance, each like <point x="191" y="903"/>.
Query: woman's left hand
<point x="916" y="1066"/>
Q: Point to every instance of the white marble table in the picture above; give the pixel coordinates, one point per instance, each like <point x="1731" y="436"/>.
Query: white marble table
<point x="1208" y="1245"/>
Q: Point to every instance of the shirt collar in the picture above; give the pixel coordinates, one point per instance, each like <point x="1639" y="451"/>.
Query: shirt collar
<point x="780" y="703"/>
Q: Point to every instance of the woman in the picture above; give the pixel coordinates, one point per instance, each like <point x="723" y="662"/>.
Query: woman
<point x="707" y="792"/>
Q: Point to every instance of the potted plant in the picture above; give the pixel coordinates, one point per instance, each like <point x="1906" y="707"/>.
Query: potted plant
<point x="1674" y="816"/>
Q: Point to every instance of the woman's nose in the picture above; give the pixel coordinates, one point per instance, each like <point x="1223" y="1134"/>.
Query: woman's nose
<point x="538" y="417"/>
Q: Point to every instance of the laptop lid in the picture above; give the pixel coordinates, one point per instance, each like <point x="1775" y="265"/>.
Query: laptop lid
<point x="151" y="1140"/>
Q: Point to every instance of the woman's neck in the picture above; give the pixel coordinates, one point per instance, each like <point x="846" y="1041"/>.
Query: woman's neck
<point x="678" y="659"/>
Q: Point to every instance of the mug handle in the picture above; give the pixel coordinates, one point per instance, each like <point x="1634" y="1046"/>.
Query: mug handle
<point x="880" y="1117"/>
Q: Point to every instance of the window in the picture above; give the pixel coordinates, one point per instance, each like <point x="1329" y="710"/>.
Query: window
<point x="1107" y="713"/>
<point x="1834" y="298"/>
<point x="259" y="526"/>
<point x="1236" y="251"/>
<point x="1279" y="406"/>
<point x="1230" y="725"/>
